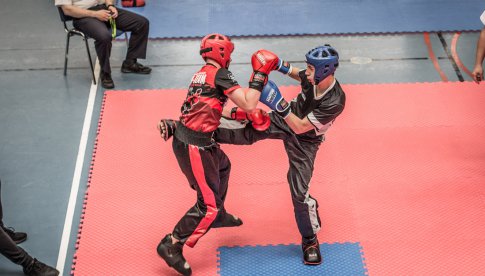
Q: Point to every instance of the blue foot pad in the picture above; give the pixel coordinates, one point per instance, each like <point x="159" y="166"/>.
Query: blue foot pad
<point x="338" y="259"/>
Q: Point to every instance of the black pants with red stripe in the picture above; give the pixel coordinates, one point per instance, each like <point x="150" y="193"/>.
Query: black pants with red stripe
<point x="207" y="170"/>
<point x="301" y="157"/>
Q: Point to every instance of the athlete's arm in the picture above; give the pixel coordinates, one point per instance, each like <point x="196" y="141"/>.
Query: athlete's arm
<point x="298" y="125"/>
<point x="246" y="99"/>
<point x="288" y="69"/>
<point x="294" y="73"/>
<point x="271" y="96"/>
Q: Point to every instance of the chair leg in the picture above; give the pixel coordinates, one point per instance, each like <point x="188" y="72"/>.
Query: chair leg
<point x="67" y="53"/>
<point x="90" y="61"/>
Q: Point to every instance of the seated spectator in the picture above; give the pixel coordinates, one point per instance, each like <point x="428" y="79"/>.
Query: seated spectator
<point x="92" y="17"/>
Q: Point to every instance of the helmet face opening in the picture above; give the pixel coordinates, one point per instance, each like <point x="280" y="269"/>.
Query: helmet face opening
<point x="324" y="59"/>
<point x="217" y="47"/>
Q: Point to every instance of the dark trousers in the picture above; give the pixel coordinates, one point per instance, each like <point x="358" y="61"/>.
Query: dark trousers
<point x="8" y="248"/>
<point x="100" y="31"/>
<point x="207" y="169"/>
<point x="301" y="157"/>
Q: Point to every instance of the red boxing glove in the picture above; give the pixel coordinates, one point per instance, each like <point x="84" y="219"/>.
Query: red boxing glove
<point x="258" y="117"/>
<point x="263" y="62"/>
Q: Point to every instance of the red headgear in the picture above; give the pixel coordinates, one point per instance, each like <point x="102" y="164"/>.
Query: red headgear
<point x="217" y="47"/>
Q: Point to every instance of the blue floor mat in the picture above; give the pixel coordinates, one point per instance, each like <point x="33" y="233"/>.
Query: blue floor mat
<point x="196" y="18"/>
<point x="338" y="259"/>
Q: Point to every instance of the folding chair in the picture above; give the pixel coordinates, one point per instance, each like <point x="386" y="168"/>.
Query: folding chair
<point x="74" y="32"/>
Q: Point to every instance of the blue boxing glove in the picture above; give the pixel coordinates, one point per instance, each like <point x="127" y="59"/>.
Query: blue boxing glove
<point x="271" y="96"/>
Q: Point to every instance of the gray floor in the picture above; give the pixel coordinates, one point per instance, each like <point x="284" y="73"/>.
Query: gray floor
<point x="42" y="112"/>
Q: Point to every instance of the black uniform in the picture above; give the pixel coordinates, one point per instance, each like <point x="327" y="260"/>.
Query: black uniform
<point x="300" y="148"/>
<point x="204" y="164"/>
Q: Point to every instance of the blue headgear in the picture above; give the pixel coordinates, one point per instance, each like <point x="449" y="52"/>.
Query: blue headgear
<point x="325" y="61"/>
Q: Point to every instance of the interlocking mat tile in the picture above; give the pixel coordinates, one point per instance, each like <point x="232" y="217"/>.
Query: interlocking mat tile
<point x="400" y="182"/>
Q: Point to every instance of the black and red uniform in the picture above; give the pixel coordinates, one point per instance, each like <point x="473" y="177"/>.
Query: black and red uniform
<point x="301" y="148"/>
<point x="202" y="161"/>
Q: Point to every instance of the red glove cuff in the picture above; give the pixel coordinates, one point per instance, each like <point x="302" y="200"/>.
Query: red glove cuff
<point x="238" y="114"/>
<point x="258" y="80"/>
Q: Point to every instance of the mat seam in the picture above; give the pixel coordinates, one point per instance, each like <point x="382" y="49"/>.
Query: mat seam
<point x="88" y="184"/>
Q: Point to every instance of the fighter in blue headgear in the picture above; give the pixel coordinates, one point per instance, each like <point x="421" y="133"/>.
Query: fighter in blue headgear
<point x="325" y="61"/>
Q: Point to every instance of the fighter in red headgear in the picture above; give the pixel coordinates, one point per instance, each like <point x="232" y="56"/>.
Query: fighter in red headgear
<point x="217" y="47"/>
<point x="200" y="158"/>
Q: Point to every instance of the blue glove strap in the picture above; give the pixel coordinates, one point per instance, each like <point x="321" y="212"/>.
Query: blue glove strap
<point x="284" y="67"/>
<point x="283" y="111"/>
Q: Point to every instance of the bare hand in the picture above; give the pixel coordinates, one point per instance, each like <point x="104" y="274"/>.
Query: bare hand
<point x="114" y="11"/>
<point x="477" y="73"/>
<point x="102" y="15"/>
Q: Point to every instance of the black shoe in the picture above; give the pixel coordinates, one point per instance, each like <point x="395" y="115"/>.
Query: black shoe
<point x="227" y="220"/>
<point x="107" y="81"/>
<point x="37" y="268"/>
<point x="135" y="67"/>
<point x="311" y="252"/>
<point x="17" y="237"/>
<point x="172" y="254"/>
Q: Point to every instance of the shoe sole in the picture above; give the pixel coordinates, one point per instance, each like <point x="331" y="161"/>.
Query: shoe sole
<point x="140" y="73"/>
<point x="311" y="263"/>
<point x="107" y="86"/>
<point x="161" y="253"/>
<point x="20" y="241"/>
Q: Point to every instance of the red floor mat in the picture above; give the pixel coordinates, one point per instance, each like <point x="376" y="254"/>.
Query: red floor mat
<point x="402" y="172"/>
